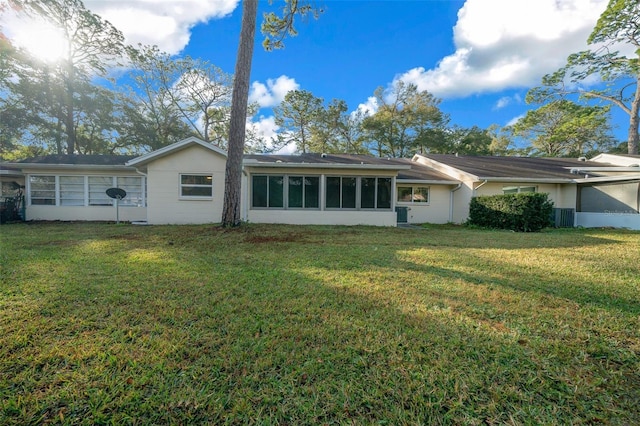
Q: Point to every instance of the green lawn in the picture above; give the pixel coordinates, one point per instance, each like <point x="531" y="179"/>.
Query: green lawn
<point x="120" y="324"/>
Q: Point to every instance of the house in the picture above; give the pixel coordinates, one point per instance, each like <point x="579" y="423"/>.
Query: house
<point x="184" y="183"/>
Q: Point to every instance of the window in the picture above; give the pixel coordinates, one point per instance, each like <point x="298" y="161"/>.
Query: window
<point x="84" y="190"/>
<point x="413" y="194"/>
<point x="98" y="186"/>
<point x="517" y="189"/>
<point x="134" y="189"/>
<point x="304" y="192"/>
<point x="281" y="191"/>
<point x="375" y="193"/>
<point x="42" y="190"/>
<point x="268" y="191"/>
<point x="71" y="190"/>
<point x="341" y="192"/>
<point x="358" y="192"/>
<point x="196" y="186"/>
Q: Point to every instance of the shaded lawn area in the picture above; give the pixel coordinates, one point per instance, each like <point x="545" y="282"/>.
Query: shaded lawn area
<point x="317" y="325"/>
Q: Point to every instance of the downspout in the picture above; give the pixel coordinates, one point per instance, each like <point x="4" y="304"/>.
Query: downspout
<point x="146" y="202"/>
<point x="451" y="201"/>
<point x="244" y="215"/>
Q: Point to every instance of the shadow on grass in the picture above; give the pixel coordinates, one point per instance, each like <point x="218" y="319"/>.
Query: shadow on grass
<point x="278" y="326"/>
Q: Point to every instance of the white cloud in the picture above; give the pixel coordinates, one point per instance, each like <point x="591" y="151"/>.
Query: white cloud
<point x="165" y="23"/>
<point x="515" y="119"/>
<point x="370" y="107"/>
<point x="508" y="43"/>
<point x="272" y="93"/>
<point x="507" y="100"/>
<point x="265" y="127"/>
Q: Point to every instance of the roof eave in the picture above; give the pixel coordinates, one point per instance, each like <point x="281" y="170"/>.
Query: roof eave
<point x="427" y="181"/>
<point x="276" y="165"/>
<point x="525" y="179"/>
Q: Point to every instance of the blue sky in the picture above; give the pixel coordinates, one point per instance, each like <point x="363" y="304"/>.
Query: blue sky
<point x="479" y="56"/>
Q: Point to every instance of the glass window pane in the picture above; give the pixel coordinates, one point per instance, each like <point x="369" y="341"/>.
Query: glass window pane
<point x="368" y="193"/>
<point x="421" y="195"/>
<point x="133" y="187"/>
<point x="196" y="191"/>
<point x="259" y="191"/>
<point x="72" y="190"/>
<point x="404" y="194"/>
<point x="333" y="192"/>
<point x="312" y="192"/>
<point x="196" y="179"/>
<point x="98" y="186"/>
<point x="510" y="190"/>
<point x="384" y="193"/>
<point x="43" y="190"/>
<point x="527" y="189"/>
<point x="276" y="191"/>
<point x="349" y="192"/>
<point x="295" y="191"/>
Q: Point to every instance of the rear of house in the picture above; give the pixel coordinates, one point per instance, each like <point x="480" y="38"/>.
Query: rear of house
<point x="183" y="183"/>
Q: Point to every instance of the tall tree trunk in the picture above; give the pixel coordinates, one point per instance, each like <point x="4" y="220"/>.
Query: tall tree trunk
<point x="233" y="171"/>
<point x="69" y="116"/>
<point x="634" y="122"/>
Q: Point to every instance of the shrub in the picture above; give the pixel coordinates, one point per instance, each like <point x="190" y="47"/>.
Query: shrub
<point x="524" y="212"/>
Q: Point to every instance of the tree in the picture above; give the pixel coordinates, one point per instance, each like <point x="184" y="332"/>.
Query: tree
<point x="463" y="141"/>
<point x="406" y="121"/>
<point x="296" y="116"/>
<point x="162" y="104"/>
<point x="338" y="131"/>
<point x="276" y="28"/>
<point x="617" y="28"/>
<point x="93" y="46"/>
<point x="566" y="129"/>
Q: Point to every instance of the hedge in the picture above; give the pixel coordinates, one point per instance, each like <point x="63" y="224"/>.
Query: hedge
<point x="523" y="212"/>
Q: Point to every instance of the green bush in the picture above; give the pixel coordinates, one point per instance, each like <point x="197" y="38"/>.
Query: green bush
<point x="524" y="212"/>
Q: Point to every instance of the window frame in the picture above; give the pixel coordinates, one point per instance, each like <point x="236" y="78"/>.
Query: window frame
<point x="98" y="201"/>
<point x="286" y="191"/>
<point x="518" y="189"/>
<point x="413" y="195"/>
<point x="55" y="190"/>
<point x="182" y="185"/>
<point x="359" y="192"/>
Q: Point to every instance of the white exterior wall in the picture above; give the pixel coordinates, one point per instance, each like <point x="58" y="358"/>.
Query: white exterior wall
<point x="85" y="213"/>
<point x="435" y="211"/>
<point x="164" y="204"/>
<point x="563" y="196"/>
<point x="324" y="217"/>
<point x="615" y="220"/>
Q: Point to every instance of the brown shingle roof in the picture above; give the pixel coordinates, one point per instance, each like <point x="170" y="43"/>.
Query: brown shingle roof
<point x="77" y="159"/>
<point x="514" y="167"/>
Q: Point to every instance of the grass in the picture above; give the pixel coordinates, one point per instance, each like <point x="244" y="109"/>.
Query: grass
<point x="107" y="324"/>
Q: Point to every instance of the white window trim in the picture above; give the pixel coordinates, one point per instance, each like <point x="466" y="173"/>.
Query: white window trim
<point x="413" y="188"/>
<point x="114" y="180"/>
<point x="195" y="197"/>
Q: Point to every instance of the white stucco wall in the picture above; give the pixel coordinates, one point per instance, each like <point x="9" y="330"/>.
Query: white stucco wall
<point x="562" y="195"/>
<point x="435" y="211"/>
<point x="615" y="220"/>
<point x="85" y="213"/>
<point x="164" y="203"/>
<point x="326" y="217"/>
